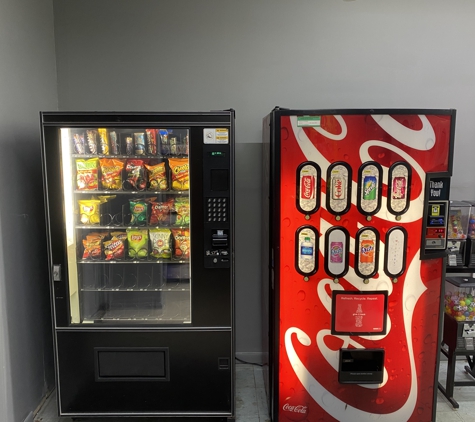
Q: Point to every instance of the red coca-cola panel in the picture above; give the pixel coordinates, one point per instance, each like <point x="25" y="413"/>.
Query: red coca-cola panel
<point x="307" y="382"/>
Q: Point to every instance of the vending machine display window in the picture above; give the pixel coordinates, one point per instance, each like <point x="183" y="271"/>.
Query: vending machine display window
<point x="359" y="312"/>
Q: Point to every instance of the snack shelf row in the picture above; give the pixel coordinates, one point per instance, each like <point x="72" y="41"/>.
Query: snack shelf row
<point x="132" y="192"/>
<point x="95" y="227"/>
<point x="125" y="157"/>
<point x="140" y="142"/>
<point x="126" y="289"/>
<point x="135" y="315"/>
<point x="137" y="261"/>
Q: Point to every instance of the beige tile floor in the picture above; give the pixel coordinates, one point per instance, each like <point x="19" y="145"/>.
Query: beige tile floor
<point x="251" y="402"/>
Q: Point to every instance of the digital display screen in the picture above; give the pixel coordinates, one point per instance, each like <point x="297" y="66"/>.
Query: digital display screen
<point x="217" y="154"/>
<point x="436" y="221"/>
<point x="359" y="312"/>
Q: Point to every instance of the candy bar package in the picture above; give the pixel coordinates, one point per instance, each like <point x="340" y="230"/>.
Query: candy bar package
<point x="92" y="141"/>
<point x="104" y="141"/>
<point x="79" y="143"/>
<point x="151" y="141"/>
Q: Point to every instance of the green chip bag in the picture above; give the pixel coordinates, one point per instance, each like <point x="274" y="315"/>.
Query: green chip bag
<point x="182" y="209"/>
<point x="137" y="241"/>
<point x="138" y="212"/>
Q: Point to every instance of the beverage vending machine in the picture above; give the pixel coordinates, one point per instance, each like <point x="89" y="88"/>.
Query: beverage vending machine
<point x="140" y="222"/>
<point x="355" y="236"/>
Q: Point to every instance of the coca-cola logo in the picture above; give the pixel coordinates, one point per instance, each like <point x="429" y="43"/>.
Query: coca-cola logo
<point x="295" y="407"/>
<point x="308" y="187"/>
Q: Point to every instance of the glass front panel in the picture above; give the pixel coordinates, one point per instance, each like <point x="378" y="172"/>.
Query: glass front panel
<point x="127" y="212"/>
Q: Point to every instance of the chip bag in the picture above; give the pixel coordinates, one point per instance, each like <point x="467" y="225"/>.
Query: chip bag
<point x="182" y="210"/>
<point x="111" y="170"/>
<point x="160" y="212"/>
<point x="119" y="235"/>
<point x="181" y="244"/>
<point x="180" y="173"/>
<point x="138" y="212"/>
<point x="160" y="240"/>
<point x="138" y="243"/>
<point x="92" y="246"/>
<point x="87" y="174"/>
<point x="136" y="177"/>
<point x="89" y="211"/>
<point x="157" y="176"/>
<point x="114" y="249"/>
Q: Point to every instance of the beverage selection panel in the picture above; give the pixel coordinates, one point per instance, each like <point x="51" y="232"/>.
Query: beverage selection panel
<point x="367" y="245"/>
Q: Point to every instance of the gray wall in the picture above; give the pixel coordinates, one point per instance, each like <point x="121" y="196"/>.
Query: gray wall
<point x="27" y="85"/>
<point x="252" y="55"/>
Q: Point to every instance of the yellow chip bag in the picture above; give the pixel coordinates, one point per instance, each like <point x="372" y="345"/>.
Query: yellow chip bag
<point x="157" y="176"/>
<point x="180" y="173"/>
<point x="89" y="211"/>
<point x="111" y="170"/>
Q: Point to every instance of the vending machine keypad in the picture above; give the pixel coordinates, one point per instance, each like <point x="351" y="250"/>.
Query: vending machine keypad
<point x="217" y="209"/>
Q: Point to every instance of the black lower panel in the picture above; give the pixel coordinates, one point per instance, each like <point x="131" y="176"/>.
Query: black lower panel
<point x="134" y="373"/>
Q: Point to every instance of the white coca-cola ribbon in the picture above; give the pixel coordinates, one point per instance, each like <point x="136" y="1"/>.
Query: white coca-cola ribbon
<point x="422" y="139"/>
<point x="412" y="291"/>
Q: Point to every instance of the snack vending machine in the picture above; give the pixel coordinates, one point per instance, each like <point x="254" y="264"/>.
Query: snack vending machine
<point x="140" y="227"/>
<point x="355" y="234"/>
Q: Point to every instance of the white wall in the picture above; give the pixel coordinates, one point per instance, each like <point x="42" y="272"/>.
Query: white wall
<point x="27" y="85"/>
<point x="252" y="55"/>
